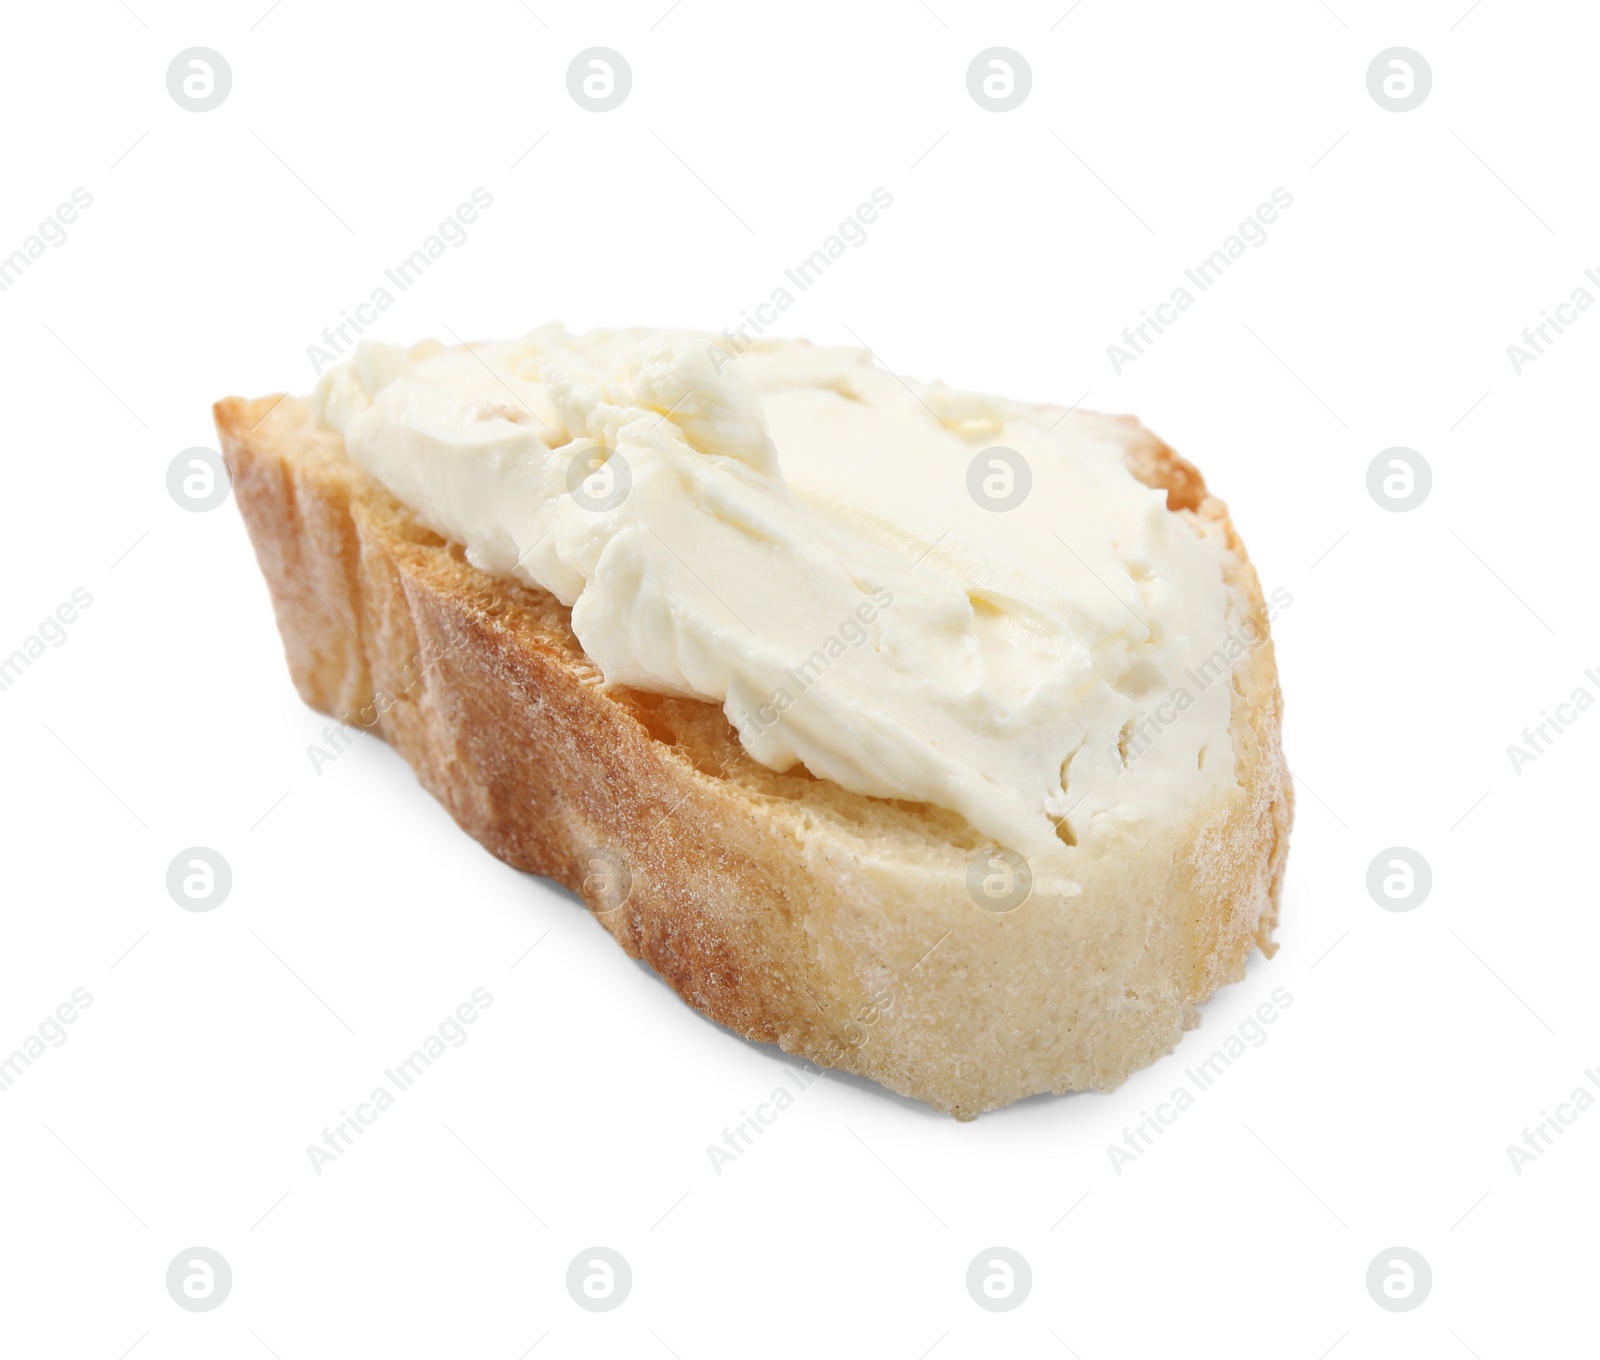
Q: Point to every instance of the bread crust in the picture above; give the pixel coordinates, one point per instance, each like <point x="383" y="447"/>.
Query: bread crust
<point x="784" y="907"/>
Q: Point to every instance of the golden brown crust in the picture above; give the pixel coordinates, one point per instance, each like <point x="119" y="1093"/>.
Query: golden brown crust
<point x="783" y="906"/>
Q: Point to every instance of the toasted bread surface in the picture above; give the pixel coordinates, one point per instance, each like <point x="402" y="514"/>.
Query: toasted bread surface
<point x="783" y="906"/>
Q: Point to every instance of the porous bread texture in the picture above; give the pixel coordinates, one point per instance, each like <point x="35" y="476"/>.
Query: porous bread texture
<point x="785" y="907"/>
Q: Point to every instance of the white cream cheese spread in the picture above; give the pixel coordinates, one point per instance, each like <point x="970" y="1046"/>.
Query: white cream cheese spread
<point x="915" y="592"/>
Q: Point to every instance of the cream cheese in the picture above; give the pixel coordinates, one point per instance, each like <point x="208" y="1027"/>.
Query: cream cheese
<point x="819" y="546"/>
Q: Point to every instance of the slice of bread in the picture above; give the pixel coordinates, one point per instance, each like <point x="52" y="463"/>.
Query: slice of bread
<point x="791" y="910"/>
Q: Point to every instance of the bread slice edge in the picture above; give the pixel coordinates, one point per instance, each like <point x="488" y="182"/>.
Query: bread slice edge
<point x="784" y="907"/>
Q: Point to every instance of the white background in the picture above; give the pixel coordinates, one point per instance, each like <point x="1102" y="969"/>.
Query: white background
<point x="218" y="1045"/>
